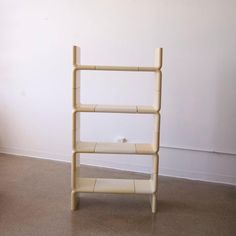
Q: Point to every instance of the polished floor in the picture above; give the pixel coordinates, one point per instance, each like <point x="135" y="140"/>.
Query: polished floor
<point x="35" y="200"/>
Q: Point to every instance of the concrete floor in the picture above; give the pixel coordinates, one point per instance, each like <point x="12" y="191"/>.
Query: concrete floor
<point x="35" y="200"/>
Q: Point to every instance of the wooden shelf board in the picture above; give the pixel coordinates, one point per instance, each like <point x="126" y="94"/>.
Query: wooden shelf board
<point x="85" y="108"/>
<point x="126" y="148"/>
<point x="146" y="109"/>
<point x="100" y="185"/>
<point x="143" y="148"/>
<point x="114" y="186"/>
<point x="85" y="185"/>
<point x="115" y="109"/>
<point x="143" y="186"/>
<point x="85" y="147"/>
<point x="117" y="68"/>
<point x="115" y="148"/>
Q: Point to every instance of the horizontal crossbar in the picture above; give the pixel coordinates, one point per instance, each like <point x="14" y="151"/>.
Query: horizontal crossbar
<point x="116" y="68"/>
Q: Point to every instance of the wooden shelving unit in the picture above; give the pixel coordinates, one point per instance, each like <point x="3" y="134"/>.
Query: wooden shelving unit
<point x="120" y="186"/>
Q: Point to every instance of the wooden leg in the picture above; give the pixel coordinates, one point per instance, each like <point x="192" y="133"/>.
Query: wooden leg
<point x="154" y="202"/>
<point x="154" y="181"/>
<point x="73" y="171"/>
<point x="74" y="200"/>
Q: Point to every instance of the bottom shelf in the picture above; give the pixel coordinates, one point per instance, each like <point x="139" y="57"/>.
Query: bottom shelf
<point x="98" y="185"/>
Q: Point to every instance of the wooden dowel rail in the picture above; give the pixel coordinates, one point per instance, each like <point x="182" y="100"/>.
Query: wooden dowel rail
<point x="116" y="68"/>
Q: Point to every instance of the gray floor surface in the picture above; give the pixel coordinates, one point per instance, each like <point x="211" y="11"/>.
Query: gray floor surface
<point x="35" y="200"/>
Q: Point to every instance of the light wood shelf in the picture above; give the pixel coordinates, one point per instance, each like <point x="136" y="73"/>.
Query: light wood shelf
<point x="115" y="109"/>
<point x="117" y="68"/>
<point x="104" y="185"/>
<point x="116" y="148"/>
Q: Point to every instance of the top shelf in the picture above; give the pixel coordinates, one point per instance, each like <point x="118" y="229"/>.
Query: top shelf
<point x="117" y="68"/>
<point x="115" y="109"/>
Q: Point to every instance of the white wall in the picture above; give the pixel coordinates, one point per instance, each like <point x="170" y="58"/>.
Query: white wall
<point x="198" y="110"/>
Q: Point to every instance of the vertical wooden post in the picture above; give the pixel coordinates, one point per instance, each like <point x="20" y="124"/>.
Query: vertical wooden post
<point x="76" y="77"/>
<point x="156" y="135"/>
<point x="73" y="182"/>
<point x="158" y="81"/>
<point x="156" y="131"/>
<point x="73" y="171"/>
<point x="75" y="124"/>
<point x="158" y="57"/>
<point x="74" y="130"/>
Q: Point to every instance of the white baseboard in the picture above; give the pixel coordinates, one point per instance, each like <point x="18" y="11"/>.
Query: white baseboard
<point x="35" y="154"/>
<point x="174" y="162"/>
